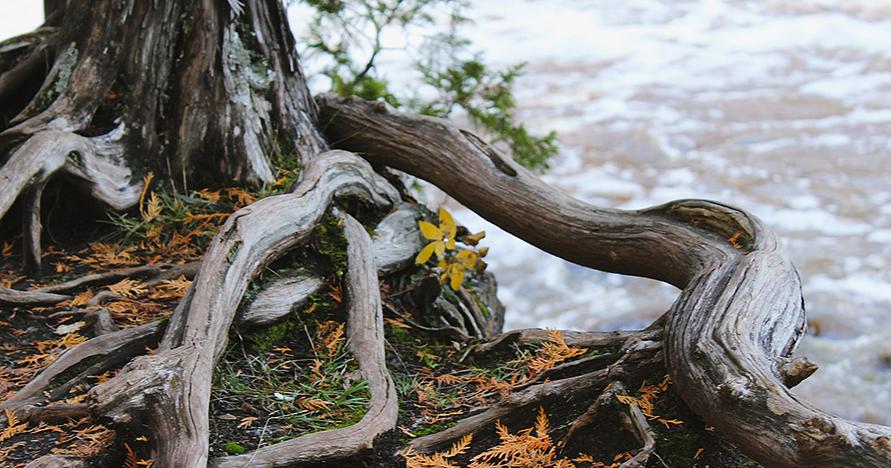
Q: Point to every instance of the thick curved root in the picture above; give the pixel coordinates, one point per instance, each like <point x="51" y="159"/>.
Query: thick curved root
<point x="95" y="161"/>
<point x="170" y="390"/>
<point x="366" y="342"/>
<point x="740" y="312"/>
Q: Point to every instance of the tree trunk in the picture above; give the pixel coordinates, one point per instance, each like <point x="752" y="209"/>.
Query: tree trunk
<point x="200" y="92"/>
<point x="209" y="93"/>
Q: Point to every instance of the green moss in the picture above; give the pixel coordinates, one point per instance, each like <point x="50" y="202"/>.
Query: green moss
<point x="57" y="82"/>
<point x="677" y="446"/>
<point x="233" y="448"/>
<point x="432" y="429"/>
<point x="272" y="335"/>
<point x="292" y="325"/>
<point x="399" y="336"/>
<point x="329" y="242"/>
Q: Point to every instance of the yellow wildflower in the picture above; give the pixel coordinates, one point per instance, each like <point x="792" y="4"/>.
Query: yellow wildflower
<point x="454" y="271"/>
<point x="442" y="237"/>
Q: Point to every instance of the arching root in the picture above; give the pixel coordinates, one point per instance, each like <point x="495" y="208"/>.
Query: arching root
<point x="366" y="342"/>
<point x="170" y="390"/>
<point x="740" y="313"/>
<point x="95" y="161"/>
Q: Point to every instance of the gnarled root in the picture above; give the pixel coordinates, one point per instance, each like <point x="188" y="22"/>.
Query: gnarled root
<point x="171" y="389"/>
<point x="635" y="358"/>
<point x="53" y="294"/>
<point x="740" y="312"/>
<point x="95" y="356"/>
<point x="95" y="161"/>
<point x="365" y="328"/>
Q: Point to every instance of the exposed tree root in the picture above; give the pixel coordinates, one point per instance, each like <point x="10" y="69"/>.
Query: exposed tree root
<point x="605" y="407"/>
<point x="57" y="461"/>
<point x="32" y="228"/>
<point x="740" y="313"/>
<point x="171" y="388"/>
<point x="727" y="339"/>
<point x="572" y="338"/>
<point x="396" y="239"/>
<point x="89" y="358"/>
<point x="152" y="272"/>
<point x="277" y="299"/>
<point x="591" y="415"/>
<point x="637" y="424"/>
<point x="101" y="321"/>
<point x="395" y="244"/>
<point x="454" y="333"/>
<point x="365" y="327"/>
<point x="49" y="295"/>
<point x="94" y="161"/>
<point x="30" y="298"/>
<point x="24" y="60"/>
<point x="631" y="361"/>
<point x="508" y="406"/>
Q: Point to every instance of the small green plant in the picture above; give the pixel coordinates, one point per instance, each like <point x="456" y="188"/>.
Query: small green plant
<point x="345" y="39"/>
<point x="299" y="375"/>
<point x="233" y="448"/>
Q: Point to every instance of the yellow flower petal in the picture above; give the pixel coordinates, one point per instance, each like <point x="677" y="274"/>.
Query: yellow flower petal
<point x="456" y="276"/>
<point x="450" y="243"/>
<point x="425" y="253"/>
<point x="439" y="247"/>
<point x="447" y="225"/>
<point x="467" y="258"/>
<point x="430" y="231"/>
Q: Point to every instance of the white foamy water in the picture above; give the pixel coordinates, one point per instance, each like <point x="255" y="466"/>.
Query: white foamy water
<point x="779" y="107"/>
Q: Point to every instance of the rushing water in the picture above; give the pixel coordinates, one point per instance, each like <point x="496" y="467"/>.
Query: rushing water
<point x="780" y="107"/>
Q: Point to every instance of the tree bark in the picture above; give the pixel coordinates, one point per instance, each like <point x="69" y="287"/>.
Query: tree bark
<point x="198" y="92"/>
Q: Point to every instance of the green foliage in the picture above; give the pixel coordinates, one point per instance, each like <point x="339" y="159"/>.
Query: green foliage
<point x="270" y="336"/>
<point x="486" y="96"/>
<point x="233" y="448"/>
<point x="310" y="390"/>
<point x="346" y="38"/>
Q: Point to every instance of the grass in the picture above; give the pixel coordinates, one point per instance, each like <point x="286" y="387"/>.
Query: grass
<point x="306" y="382"/>
<point x="291" y="378"/>
<point x="308" y="393"/>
